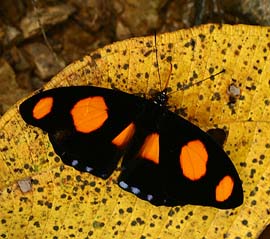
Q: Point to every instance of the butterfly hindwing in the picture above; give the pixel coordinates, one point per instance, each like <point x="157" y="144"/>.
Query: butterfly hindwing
<point x="84" y="125"/>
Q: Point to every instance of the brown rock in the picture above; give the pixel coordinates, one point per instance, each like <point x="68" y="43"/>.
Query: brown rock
<point x="12" y="35"/>
<point x="139" y="16"/>
<point x="248" y="11"/>
<point x="44" y="61"/>
<point x="48" y="17"/>
<point x="122" y="31"/>
<point x="18" y="60"/>
<point x="9" y="91"/>
<point x="2" y="34"/>
<point x="76" y="41"/>
<point x="8" y="34"/>
<point x="25" y="80"/>
<point x="13" y="10"/>
<point x="179" y="14"/>
<point x="94" y="14"/>
<point x="7" y="77"/>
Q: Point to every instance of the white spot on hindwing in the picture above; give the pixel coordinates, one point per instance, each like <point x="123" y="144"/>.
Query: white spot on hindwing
<point x="135" y="190"/>
<point x="149" y="197"/>
<point x="123" y="185"/>
<point x="88" y="169"/>
<point x="74" y="162"/>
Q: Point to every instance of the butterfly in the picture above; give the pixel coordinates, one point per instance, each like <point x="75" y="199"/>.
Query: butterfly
<point x="167" y="160"/>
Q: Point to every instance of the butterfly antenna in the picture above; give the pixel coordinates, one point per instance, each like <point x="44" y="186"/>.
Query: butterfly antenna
<point x="167" y="81"/>
<point x="157" y="60"/>
<point x="184" y="87"/>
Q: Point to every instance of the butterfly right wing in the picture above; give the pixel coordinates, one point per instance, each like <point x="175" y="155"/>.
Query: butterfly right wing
<point x="174" y="162"/>
<point x="89" y="127"/>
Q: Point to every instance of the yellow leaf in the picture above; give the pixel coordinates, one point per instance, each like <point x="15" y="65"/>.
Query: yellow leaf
<point x="62" y="202"/>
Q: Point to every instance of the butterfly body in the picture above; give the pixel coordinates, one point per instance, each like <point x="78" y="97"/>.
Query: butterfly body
<point x="166" y="159"/>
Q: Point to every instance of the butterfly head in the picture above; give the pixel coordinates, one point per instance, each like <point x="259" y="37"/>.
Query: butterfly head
<point x="161" y="98"/>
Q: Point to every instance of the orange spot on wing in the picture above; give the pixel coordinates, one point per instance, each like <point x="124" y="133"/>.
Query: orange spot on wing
<point x="224" y="188"/>
<point x="42" y="107"/>
<point x="123" y="138"/>
<point x="89" y="114"/>
<point x="150" y="148"/>
<point x="193" y="159"/>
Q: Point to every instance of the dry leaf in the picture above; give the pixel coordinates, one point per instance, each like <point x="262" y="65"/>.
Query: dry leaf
<point x="62" y="202"/>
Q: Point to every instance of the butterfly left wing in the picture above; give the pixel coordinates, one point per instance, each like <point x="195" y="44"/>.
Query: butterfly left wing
<point x="176" y="163"/>
<point x="88" y="127"/>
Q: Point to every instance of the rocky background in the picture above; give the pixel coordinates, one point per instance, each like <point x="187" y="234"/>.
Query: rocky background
<point x="40" y="37"/>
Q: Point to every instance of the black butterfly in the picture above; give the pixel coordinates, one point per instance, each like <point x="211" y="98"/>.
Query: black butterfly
<point x="167" y="160"/>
